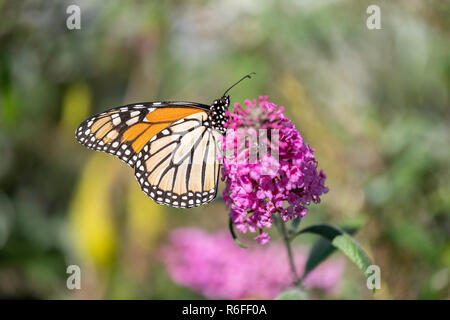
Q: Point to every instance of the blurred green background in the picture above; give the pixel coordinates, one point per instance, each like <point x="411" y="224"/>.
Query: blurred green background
<point x="373" y="103"/>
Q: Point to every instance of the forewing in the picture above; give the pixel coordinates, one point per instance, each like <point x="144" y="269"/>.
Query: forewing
<point x="125" y="130"/>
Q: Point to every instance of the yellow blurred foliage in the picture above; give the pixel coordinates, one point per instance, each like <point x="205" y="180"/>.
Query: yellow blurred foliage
<point x="76" y="105"/>
<point x="91" y="212"/>
<point x="92" y="215"/>
<point x="146" y="219"/>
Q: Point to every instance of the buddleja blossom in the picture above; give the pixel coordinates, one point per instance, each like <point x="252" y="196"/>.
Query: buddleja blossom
<point x="283" y="181"/>
<point x="212" y="265"/>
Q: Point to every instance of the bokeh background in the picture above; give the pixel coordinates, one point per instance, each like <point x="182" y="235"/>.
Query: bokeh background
<point x="373" y="103"/>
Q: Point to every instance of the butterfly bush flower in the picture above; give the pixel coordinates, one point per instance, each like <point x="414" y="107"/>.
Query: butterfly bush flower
<point x="212" y="265"/>
<point x="282" y="181"/>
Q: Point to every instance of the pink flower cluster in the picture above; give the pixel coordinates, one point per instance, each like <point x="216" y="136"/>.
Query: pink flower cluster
<point x="254" y="190"/>
<point x="212" y="265"/>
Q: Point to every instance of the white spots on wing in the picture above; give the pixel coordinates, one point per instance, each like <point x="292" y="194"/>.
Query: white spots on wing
<point x="116" y="121"/>
<point x="132" y="121"/>
<point x="115" y="144"/>
<point x="112" y="134"/>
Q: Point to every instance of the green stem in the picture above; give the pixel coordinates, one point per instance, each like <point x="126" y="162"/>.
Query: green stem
<point x="281" y="226"/>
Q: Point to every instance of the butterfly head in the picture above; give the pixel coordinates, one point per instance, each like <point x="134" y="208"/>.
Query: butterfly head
<point x="221" y="104"/>
<point x="218" y="113"/>
<point x="225" y="101"/>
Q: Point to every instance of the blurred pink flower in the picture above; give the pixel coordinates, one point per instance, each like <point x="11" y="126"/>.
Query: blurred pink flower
<point x="255" y="190"/>
<point x="214" y="266"/>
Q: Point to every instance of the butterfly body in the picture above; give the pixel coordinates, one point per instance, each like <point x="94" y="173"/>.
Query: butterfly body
<point x="173" y="146"/>
<point x="217" y="113"/>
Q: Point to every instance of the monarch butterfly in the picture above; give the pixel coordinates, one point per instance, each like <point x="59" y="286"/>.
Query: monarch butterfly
<point x="172" y="146"/>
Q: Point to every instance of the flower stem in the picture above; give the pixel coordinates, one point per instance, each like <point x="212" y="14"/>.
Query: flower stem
<point x="281" y="226"/>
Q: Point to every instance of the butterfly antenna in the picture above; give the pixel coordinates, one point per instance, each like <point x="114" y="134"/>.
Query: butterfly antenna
<point x="245" y="77"/>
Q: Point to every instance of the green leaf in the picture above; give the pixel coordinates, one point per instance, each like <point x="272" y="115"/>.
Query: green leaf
<point x="233" y="234"/>
<point x="321" y="250"/>
<point x="344" y="242"/>
<point x="292" y="294"/>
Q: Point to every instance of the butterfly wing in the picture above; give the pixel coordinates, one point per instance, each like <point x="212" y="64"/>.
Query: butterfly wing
<point x="179" y="166"/>
<point x="125" y="130"/>
<point x="171" y="145"/>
